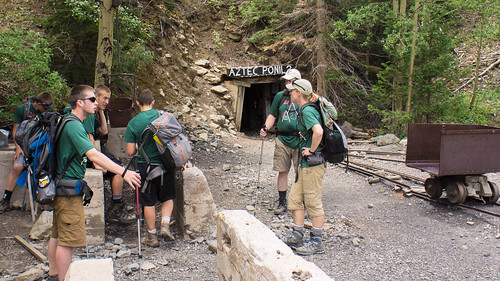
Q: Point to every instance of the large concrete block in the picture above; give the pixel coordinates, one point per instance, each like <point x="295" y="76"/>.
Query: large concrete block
<point x="94" y="212"/>
<point x="116" y="142"/>
<point x="199" y="205"/>
<point x="248" y="250"/>
<point x="91" y="269"/>
<point x="6" y="162"/>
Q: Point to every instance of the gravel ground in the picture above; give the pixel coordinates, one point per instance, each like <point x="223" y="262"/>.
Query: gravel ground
<point x="372" y="232"/>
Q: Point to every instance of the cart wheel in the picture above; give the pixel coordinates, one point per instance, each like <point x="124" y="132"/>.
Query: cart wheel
<point x="495" y="194"/>
<point x="456" y="192"/>
<point x="433" y="188"/>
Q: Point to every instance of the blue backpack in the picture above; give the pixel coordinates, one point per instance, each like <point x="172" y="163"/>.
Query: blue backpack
<point x="37" y="139"/>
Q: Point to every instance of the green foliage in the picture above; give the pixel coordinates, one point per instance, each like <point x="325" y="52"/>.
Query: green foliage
<point x="374" y="29"/>
<point x="73" y="29"/>
<point x="217" y="39"/>
<point x="25" y="66"/>
<point x="264" y="12"/>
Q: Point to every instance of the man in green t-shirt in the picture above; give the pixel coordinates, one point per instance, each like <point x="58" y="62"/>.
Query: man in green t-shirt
<point x="160" y="188"/>
<point x="285" y="150"/>
<point x="307" y="191"/>
<point x="74" y="147"/>
<point x="97" y="128"/>
<point x="42" y="103"/>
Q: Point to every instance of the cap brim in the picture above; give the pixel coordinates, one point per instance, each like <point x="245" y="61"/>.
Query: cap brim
<point x="287" y="77"/>
<point x="290" y="87"/>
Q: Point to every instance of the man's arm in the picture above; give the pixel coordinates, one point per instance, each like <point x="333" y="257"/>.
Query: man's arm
<point x="18" y="148"/>
<point x="268" y="124"/>
<point x="96" y="166"/>
<point x="131" y="149"/>
<point x="131" y="177"/>
<point x="103" y="129"/>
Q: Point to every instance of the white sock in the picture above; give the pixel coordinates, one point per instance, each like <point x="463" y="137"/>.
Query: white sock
<point x="165" y="220"/>
<point x="152" y="231"/>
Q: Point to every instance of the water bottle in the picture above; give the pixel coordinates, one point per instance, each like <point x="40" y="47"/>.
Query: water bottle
<point x="44" y="180"/>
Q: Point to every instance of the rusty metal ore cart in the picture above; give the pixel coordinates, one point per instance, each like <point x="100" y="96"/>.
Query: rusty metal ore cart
<point x="456" y="156"/>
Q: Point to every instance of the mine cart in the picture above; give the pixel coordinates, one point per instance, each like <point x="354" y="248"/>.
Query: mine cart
<point x="456" y="157"/>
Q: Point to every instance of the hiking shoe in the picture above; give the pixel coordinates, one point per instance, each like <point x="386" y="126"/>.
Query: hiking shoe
<point x="165" y="232"/>
<point x="4" y="207"/>
<point x="281" y="209"/>
<point x="313" y="246"/>
<point x="294" y="239"/>
<point x="150" y="240"/>
<point x="118" y="213"/>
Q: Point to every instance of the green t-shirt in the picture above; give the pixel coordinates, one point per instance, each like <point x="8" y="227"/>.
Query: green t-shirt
<point x="88" y="123"/>
<point x="310" y="117"/>
<point x="73" y="141"/>
<point x="19" y="115"/>
<point x="133" y="135"/>
<point x="287" y="115"/>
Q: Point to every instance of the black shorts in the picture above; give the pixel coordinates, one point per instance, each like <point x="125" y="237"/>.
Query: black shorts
<point x="156" y="191"/>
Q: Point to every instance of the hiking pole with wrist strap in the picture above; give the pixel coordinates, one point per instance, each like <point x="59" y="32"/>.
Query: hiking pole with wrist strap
<point x="138" y="213"/>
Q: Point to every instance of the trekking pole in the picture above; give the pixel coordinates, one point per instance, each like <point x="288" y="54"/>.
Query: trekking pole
<point x="138" y="213"/>
<point x="260" y="161"/>
<point x="258" y="176"/>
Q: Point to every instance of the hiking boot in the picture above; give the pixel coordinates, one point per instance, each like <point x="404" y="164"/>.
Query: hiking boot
<point x="294" y="239"/>
<point x="313" y="246"/>
<point x="165" y="232"/>
<point x="4" y="207"/>
<point x="150" y="240"/>
<point x="118" y="213"/>
<point x="281" y="209"/>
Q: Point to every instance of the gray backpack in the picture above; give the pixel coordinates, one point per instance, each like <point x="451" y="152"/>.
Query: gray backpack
<point x="174" y="147"/>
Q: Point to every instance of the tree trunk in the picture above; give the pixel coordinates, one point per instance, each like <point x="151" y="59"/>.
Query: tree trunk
<point x="321" y="52"/>
<point x="478" y="61"/>
<point x="412" y="56"/>
<point x="104" y="57"/>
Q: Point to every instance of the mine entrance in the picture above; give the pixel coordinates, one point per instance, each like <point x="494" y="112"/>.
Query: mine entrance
<point x="256" y="102"/>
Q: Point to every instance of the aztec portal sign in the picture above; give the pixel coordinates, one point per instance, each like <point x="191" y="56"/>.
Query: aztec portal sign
<point x="255" y="71"/>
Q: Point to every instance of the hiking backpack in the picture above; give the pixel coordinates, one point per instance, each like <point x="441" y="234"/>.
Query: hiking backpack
<point x="174" y="147"/>
<point x="37" y="139"/>
<point x="334" y="149"/>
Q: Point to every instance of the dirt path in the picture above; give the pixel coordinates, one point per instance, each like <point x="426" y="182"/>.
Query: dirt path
<point x="372" y="232"/>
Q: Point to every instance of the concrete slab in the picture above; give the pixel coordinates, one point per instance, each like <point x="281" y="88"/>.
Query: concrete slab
<point x="91" y="269"/>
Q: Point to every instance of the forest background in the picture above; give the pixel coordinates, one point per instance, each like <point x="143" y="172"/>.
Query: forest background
<point x="382" y="63"/>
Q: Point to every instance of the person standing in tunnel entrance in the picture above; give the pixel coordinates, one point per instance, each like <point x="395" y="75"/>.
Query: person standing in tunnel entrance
<point x="284" y="112"/>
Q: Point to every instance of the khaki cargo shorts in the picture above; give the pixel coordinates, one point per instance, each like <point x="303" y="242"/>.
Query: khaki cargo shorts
<point x="69" y="222"/>
<point x="284" y="156"/>
<point x="306" y="193"/>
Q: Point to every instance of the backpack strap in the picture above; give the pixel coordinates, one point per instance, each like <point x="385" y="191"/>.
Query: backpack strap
<point x="55" y="134"/>
<point x="142" y="140"/>
<point x="282" y="100"/>
<point x="313" y="104"/>
<point x="27" y="107"/>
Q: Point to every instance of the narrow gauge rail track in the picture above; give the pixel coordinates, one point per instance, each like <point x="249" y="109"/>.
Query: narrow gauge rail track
<point x="364" y="170"/>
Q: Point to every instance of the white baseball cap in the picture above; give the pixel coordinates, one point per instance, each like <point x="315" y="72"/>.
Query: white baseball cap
<point x="302" y="85"/>
<point x="291" y="74"/>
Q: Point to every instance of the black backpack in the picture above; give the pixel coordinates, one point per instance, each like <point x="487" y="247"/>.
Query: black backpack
<point x="334" y="142"/>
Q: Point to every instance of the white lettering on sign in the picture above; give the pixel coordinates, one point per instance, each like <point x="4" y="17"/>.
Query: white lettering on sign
<point x="255" y="71"/>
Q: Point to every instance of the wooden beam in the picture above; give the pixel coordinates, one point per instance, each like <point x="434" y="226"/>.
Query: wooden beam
<point x="31" y="249"/>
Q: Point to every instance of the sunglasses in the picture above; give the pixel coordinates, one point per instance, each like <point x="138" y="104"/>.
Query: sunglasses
<point x="45" y="105"/>
<point x="91" y="99"/>
<point x="295" y="84"/>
